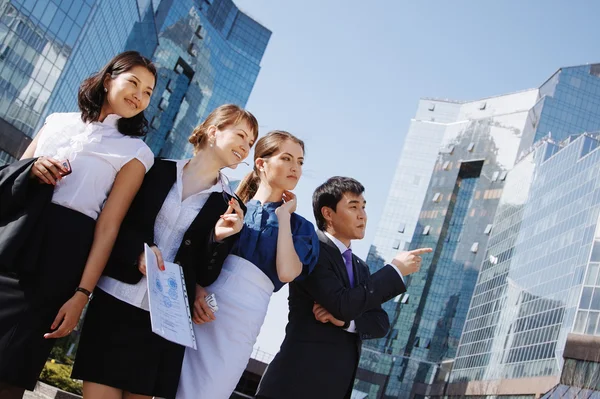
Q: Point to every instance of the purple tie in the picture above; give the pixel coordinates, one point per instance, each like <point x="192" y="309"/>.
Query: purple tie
<point x="348" y="261"/>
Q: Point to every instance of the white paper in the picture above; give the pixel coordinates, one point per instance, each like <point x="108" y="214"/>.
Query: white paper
<point x="167" y="298"/>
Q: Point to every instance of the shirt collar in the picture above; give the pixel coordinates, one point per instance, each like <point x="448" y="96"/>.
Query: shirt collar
<point x="216" y="188"/>
<point x="267" y="205"/>
<point x="111" y="120"/>
<point x="340" y="245"/>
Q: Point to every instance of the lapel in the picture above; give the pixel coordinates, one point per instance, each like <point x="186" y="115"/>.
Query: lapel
<point x="335" y="256"/>
<point x="161" y="178"/>
<point x="214" y="206"/>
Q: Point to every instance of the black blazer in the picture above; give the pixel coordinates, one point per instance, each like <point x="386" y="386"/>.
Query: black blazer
<point x="317" y="360"/>
<point x="200" y="257"/>
<point x="22" y="202"/>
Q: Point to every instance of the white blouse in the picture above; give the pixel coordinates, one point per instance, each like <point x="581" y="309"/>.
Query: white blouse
<point x="172" y="222"/>
<point x="96" y="151"/>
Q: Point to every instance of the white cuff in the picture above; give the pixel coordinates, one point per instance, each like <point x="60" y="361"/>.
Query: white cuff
<point x="352" y="327"/>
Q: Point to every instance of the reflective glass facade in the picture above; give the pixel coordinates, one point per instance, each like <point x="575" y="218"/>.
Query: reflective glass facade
<point x="502" y="184"/>
<point x="207" y="52"/>
<point x="568" y="103"/>
<point x="479" y="144"/>
<point x="539" y="280"/>
<point x="411" y="179"/>
<point x="36" y="40"/>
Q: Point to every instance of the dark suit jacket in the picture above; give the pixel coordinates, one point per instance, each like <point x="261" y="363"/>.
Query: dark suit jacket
<point x="317" y="360"/>
<point x="22" y="202"/>
<point x="200" y="257"/>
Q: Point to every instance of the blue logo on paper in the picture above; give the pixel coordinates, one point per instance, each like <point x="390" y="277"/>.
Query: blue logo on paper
<point x="159" y="285"/>
<point x="173" y="294"/>
<point x="172" y="283"/>
<point x="167" y="302"/>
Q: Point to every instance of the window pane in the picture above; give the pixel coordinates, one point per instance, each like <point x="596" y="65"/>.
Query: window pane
<point x="595" y="305"/>
<point x="592" y="275"/>
<point x="596" y="252"/>
<point x="592" y="322"/>
<point x="586" y="297"/>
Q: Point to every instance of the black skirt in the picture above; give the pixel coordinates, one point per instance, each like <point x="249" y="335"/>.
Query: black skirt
<point x="29" y="303"/>
<point x="117" y="348"/>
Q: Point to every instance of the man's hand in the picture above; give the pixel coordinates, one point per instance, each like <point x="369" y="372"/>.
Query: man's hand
<point x="408" y="262"/>
<point x="323" y="315"/>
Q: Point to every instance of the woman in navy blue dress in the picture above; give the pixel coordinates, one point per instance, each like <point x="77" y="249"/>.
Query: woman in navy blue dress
<point x="275" y="246"/>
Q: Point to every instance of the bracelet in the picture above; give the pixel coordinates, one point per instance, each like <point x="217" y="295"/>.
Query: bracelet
<point x="84" y="292"/>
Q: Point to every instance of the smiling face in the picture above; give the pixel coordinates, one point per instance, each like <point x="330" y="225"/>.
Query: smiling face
<point x="129" y="93"/>
<point x="232" y="144"/>
<point x="283" y="169"/>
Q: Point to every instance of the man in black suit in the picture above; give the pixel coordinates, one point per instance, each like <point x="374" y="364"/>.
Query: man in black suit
<point x="337" y="306"/>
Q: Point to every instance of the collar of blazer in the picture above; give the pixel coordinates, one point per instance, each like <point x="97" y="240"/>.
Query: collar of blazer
<point x="336" y="258"/>
<point x="165" y="171"/>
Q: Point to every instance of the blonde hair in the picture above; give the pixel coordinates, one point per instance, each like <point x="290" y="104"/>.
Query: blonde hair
<point x="266" y="147"/>
<point x="222" y="117"/>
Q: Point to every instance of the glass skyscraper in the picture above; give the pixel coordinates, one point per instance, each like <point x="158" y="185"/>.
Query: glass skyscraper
<point x="457" y="217"/>
<point x="539" y="281"/>
<point x="207" y="52"/>
<point x="207" y="55"/>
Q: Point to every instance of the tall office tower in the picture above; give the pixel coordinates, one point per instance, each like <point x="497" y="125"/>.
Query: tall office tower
<point x="207" y="52"/>
<point x="477" y="149"/>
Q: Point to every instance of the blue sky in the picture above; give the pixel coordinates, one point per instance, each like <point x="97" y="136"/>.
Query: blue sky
<point x="346" y="77"/>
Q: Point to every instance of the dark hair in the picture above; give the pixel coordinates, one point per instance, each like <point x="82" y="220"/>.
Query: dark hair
<point x="330" y="193"/>
<point x="222" y="117"/>
<point x="91" y="94"/>
<point x="265" y="148"/>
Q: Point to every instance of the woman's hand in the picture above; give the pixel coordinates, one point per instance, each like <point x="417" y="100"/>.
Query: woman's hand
<point x="48" y="170"/>
<point x="68" y="316"/>
<point x="289" y="204"/>
<point x="230" y="222"/>
<point x="159" y="258"/>
<point x="202" y="312"/>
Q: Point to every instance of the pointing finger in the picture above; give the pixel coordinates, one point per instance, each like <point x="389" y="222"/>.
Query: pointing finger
<point x="421" y="251"/>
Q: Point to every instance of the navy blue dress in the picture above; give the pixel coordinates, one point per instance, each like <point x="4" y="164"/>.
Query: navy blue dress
<point x="258" y="240"/>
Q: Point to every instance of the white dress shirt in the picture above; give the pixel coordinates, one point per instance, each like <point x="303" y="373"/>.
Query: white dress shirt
<point x="172" y="222"/>
<point x="96" y="151"/>
<point x="343" y="248"/>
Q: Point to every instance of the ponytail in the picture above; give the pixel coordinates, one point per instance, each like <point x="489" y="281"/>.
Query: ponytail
<point x="248" y="186"/>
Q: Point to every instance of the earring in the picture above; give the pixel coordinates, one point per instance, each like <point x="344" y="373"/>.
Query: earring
<point x="211" y="143"/>
<point x="105" y="90"/>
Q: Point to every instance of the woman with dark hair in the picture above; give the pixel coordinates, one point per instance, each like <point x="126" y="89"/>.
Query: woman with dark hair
<point x="95" y="162"/>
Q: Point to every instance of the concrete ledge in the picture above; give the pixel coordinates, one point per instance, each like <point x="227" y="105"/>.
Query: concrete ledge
<point x="582" y="347"/>
<point x="45" y="391"/>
